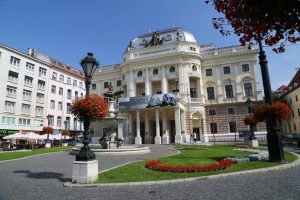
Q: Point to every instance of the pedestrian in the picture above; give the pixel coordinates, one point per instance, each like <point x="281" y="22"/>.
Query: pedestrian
<point x="194" y="137"/>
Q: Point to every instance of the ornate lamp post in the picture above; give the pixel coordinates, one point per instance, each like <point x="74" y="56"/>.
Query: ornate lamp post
<point x="274" y="140"/>
<point x="250" y="110"/>
<point x="65" y="123"/>
<point x="89" y="65"/>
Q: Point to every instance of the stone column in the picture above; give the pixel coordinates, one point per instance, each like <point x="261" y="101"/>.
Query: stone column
<point x="165" y="138"/>
<point x="219" y="86"/>
<point x="178" y="137"/>
<point x="120" y="129"/>
<point x="239" y="95"/>
<point x="130" y="134"/>
<point x="183" y="127"/>
<point x="148" y="137"/>
<point x="131" y="84"/>
<point x="157" y="136"/>
<point x="138" y="139"/>
<point x="148" y="85"/>
<point x="164" y="82"/>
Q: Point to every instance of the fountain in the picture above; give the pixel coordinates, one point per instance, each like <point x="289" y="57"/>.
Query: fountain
<point x="112" y="140"/>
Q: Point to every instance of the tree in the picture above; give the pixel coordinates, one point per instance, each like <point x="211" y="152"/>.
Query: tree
<point x="275" y="22"/>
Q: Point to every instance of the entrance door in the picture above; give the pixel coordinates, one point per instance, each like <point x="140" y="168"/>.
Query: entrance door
<point x="197" y="131"/>
<point x="154" y="128"/>
<point x="172" y="131"/>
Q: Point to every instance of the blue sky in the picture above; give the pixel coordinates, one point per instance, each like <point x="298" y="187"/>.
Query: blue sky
<point x="68" y="29"/>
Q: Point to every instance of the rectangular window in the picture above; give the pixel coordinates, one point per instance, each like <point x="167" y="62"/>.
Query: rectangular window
<point x="40" y="98"/>
<point x="212" y="112"/>
<point x="53" y="89"/>
<point x="61" y="91"/>
<point x="76" y="94"/>
<point x="80" y="84"/>
<point x="232" y="127"/>
<point x="74" y="83"/>
<point x="245" y="68"/>
<point x="119" y="82"/>
<point x="28" y="81"/>
<point x="59" y="107"/>
<point x="68" y="108"/>
<point x="39" y="111"/>
<point x="296" y="97"/>
<point x="69" y="95"/>
<point x="13" y="76"/>
<point x="8" y="120"/>
<point x="248" y="89"/>
<point x="226" y="70"/>
<point x="14" y="61"/>
<point x="193" y="93"/>
<point x="41" y="85"/>
<point x="29" y="67"/>
<point x="24" y="122"/>
<point x="208" y="72"/>
<point x="54" y="76"/>
<point x="58" y="121"/>
<point x="69" y="81"/>
<point x="231" y="111"/>
<point x="52" y="104"/>
<point x="51" y="121"/>
<point x="158" y="92"/>
<point x="42" y="71"/>
<point x="61" y="78"/>
<point x="210" y="93"/>
<point x="213" y="128"/>
<point x="25" y="109"/>
<point x="10" y="106"/>
<point x="94" y="86"/>
<point x="11" y="92"/>
<point x="228" y="91"/>
<point x="27" y="95"/>
<point x="106" y="84"/>
<point x="298" y="112"/>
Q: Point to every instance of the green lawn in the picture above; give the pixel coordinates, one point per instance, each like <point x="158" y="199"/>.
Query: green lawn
<point x="198" y="155"/>
<point x="13" y="155"/>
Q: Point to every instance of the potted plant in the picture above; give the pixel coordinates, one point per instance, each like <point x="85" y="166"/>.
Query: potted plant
<point x="48" y="130"/>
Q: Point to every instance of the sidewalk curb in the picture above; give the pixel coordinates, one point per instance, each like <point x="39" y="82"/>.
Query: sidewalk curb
<point x="275" y="168"/>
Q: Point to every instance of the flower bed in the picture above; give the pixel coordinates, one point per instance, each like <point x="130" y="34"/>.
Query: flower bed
<point x="156" y="166"/>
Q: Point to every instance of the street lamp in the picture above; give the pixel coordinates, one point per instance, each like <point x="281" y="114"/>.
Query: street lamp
<point x="48" y="118"/>
<point x="249" y="103"/>
<point x="89" y="65"/>
<point x="274" y="140"/>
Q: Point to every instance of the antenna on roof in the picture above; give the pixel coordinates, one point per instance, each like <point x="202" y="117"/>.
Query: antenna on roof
<point x="149" y="29"/>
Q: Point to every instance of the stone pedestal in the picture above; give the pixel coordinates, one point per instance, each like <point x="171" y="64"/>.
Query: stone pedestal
<point x="85" y="171"/>
<point x="138" y="140"/>
<point x="47" y="145"/>
<point x="178" y="139"/>
<point x="253" y="142"/>
<point x="64" y="144"/>
<point x="165" y="139"/>
<point x="157" y="140"/>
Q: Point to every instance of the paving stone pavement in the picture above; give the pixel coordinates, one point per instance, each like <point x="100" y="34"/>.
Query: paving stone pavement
<point x="42" y="177"/>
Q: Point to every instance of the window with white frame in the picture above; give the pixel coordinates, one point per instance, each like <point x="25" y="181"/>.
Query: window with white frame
<point x="119" y="83"/>
<point x="9" y="106"/>
<point x="231" y="111"/>
<point x="68" y="108"/>
<point x="69" y="94"/>
<point x="139" y="74"/>
<point x="51" y="120"/>
<point x="40" y="98"/>
<point x="14" y="61"/>
<point x="8" y="120"/>
<point x="80" y="84"/>
<point x="29" y="67"/>
<point x="24" y="122"/>
<point x="248" y="89"/>
<point x="28" y="81"/>
<point x="59" y="106"/>
<point x="42" y="71"/>
<point x="228" y="91"/>
<point x="76" y="94"/>
<point x="245" y="68"/>
<point x="27" y="95"/>
<point x="74" y="83"/>
<point x="94" y="86"/>
<point x="194" y="68"/>
<point x="61" y="78"/>
<point x="172" y="69"/>
<point x="11" y="92"/>
<point x="58" y="121"/>
<point x="25" y="109"/>
<point x="60" y="91"/>
<point x="37" y="122"/>
<point x="68" y="80"/>
<point x="39" y="111"/>
<point x="155" y="71"/>
<point x="54" y="76"/>
<point x="52" y="104"/>
<point x="53" y="89"/>
<point x="210" y="93"/>
<point x="13" y="76"/>
<point x="41" y="85"/>
<point x="208" y="72"/>
<point x="226" y="70"/>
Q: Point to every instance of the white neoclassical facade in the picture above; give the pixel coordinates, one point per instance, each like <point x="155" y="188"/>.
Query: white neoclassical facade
<point x="173" y="87"/>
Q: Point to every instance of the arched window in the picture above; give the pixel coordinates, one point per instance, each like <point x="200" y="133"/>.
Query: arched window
<point x="172" y="69"/>
<point x="155" y="71"/>
<point x="140" y="74"/>
<point x="194" y="68"/>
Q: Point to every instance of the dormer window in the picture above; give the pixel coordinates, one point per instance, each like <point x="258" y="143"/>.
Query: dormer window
<point x="155" y="71"/>
<point x="140" y="74"/>
<point x="194" y="68"/>
<point x="172" y="69"/>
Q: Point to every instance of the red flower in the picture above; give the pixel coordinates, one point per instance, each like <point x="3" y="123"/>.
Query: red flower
<point x="48" y="130"/>
<point x="275" y="112"/>
<point x="92" y="106"/>
<point x="156" y="166"/>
